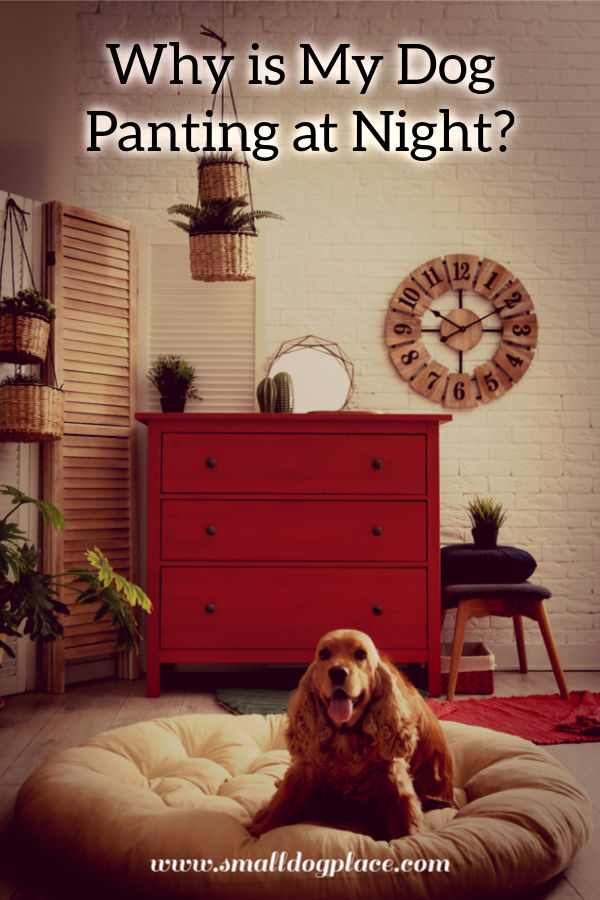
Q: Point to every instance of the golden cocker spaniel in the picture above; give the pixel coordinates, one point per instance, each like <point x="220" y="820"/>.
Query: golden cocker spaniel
<point x="368" y="755"/>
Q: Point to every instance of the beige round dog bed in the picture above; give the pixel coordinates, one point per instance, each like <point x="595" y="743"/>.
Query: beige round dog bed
<point x="185" y="788"/>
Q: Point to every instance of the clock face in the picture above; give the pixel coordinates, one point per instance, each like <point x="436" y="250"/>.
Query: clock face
<point x="475" y="316"/>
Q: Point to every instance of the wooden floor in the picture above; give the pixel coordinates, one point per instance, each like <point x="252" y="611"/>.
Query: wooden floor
<point x="33" y="725"/>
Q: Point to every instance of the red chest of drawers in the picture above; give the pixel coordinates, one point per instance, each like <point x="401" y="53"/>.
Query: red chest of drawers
<point x="265" y="531"/>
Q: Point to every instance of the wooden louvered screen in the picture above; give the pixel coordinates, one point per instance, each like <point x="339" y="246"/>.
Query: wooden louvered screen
<point x="91" y="277"/>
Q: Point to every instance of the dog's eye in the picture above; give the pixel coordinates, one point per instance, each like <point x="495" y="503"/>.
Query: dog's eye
<point x="360" y="654"/>
<point x="325" y="653"/>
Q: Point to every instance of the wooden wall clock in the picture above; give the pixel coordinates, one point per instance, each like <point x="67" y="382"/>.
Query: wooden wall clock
<point x="461" y="329"/>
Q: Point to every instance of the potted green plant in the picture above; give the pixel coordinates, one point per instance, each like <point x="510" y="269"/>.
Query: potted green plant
<point x="29" y="601"/>
<point x="222" y="176"/>
<point x="25" y="327"/>
<point x="487" y="517"/>
<point x="222" y="234"/>
<point x="173" y="377"/>
<point x="30" y="409"/>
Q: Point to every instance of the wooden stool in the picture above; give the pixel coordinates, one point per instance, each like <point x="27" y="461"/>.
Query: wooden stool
<point x="514" y="600"/>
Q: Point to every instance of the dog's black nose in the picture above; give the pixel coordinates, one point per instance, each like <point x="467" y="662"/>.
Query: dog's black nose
<point x="338" y="674"/>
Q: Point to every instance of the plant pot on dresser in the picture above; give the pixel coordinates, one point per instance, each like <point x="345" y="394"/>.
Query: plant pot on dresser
<point x="267" y="530"/>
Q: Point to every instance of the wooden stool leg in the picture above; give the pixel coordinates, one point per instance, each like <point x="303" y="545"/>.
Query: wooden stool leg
<point x="462" y="617"/>
<point x="520" y="638"/>
<point x="543" y="622"/>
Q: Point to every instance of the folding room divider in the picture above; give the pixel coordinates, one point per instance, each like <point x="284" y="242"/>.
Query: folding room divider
<point x="90" y="274"/>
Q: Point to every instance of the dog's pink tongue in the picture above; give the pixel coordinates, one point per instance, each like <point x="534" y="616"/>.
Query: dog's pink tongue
<point x="340" y="709"/>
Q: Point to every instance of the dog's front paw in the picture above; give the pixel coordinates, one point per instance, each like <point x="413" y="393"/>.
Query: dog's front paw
<point x="260" y="823"/>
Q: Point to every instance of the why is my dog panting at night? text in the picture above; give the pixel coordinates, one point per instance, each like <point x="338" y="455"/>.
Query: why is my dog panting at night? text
<point x="377" y="129"/>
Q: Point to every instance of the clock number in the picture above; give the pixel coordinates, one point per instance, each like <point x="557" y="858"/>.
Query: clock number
<point x="461" y="271"/>
<point x="514" y="360"/>
<point x="460" y="393"/>
<point x="431" y="381"/>
<point x="410" y="297"/>
<point x="514" y="298"/>
<point x="521" y="330"/>
<point x="491" y="382"/>
<point x="432" y="276"/>
<point x="402" y="328"/>
<point x="491" y="280"/>
<point x="409" y="360"/>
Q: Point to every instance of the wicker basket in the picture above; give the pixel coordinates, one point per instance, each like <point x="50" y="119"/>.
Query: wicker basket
<point x="223" y="181"/>
<point x="475" y="669"/>
<point x="222" y="256"/>
<point x="23" y="338"/>
<point x="31" y="412"/>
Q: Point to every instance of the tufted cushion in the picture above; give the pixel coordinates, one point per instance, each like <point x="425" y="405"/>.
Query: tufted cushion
<point x="468" y="564"/>
<point x="186" y="788"/>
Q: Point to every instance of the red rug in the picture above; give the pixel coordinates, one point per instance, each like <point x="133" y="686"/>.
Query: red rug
<point x="541" y="718"/>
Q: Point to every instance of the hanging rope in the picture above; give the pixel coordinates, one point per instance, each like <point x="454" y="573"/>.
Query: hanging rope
<point x="209" y="33"/>
<point x="15" y="220"/>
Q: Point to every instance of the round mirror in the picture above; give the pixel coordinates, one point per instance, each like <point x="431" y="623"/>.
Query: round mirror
<point x="322" y="374"/>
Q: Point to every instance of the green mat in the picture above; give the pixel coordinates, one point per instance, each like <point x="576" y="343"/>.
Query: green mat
<point x="242" y="701"/>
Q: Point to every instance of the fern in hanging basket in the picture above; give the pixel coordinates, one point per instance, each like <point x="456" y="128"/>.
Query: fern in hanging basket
<point x="222" y="176"/>
<point x="221" y="238"/>
<point x="30" y="410"/>
<point x="25" y="327"/>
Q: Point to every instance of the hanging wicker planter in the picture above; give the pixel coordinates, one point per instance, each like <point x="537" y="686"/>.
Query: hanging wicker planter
<point x="223" y="180"/>
<point x="31" y="412"/>
<point x="23" y="338"/>
<point x="223" y="256"/>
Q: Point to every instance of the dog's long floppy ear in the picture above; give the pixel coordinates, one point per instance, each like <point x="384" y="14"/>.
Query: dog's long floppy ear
<point x="389" y="719"/>
<point x="308" y="728"/>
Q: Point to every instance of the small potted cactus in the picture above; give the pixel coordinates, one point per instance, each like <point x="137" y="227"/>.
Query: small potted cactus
<point x="173" y="377"/>
<point x="487" y="517"/>
<point x="276" y="395"/>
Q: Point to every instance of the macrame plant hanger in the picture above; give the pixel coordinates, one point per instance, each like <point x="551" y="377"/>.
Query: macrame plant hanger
<point x="29" y="411"/>
<point x="15" y="220"/>
<point x="221" y="94"/>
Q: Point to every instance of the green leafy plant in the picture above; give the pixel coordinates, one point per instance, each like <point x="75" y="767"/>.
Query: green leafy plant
<point x="21" y="378"/>
<point x="486" y="510"/>
<point x="28" y="302"/>
<point x="29" y="597"/>
<point x="117" y="596"/>
<point x="219" y="216"/>
<point x="173" y="376"/>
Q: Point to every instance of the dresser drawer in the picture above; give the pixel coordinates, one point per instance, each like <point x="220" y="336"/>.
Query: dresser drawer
<point x="294" y="530"/>
<point x="294" y="463"/>
<point x="291" y="607"/>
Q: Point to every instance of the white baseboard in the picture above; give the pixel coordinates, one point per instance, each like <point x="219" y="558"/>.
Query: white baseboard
<point x="573" y="657"/>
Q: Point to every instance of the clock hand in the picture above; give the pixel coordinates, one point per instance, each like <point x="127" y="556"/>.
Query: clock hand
<point x="463" y="328"/>
<point x="440" y="315"/>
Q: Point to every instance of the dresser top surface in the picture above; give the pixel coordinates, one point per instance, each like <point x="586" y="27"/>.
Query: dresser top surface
<point x="298" y="420"/>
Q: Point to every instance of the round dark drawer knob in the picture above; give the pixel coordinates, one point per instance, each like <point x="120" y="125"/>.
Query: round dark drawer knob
<point x="211" y="463"/>
<point x="378" y="610"/>
<point x="377" y="530"/>
<point x="210" y="608"/>
<point x="377" y="463"/>
<point x="211" y="530"/>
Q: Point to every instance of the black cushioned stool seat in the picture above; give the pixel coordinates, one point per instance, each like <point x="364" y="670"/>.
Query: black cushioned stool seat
<point x="454" y="592"/>
<point x="513" y="600"/>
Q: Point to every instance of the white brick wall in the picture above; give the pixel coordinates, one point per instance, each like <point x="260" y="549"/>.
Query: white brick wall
<point x="357" y="223"/>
